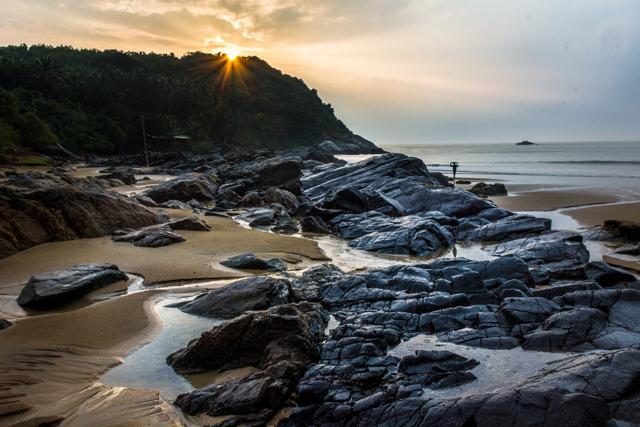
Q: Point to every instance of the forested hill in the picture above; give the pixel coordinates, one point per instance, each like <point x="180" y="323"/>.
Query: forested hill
<point x="92" y="101"/>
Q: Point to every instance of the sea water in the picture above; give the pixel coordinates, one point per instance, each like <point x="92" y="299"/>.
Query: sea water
<point x="613" y="165"/>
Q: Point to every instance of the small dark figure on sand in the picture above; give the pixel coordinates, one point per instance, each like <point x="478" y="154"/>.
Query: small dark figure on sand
<point x="454" y="166"/>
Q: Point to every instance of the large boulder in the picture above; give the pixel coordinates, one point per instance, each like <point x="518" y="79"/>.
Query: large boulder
<point x="253" y="293"/>
<point x="190" y="186"/>
<point x="56" y="288"/>
<point x="251" y="262"/>
<point x="608" y="276"/>
<point x="51" y="209"/>
<point x="281" y="342"/>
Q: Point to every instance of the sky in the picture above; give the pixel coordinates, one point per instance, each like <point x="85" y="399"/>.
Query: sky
<point x="397" y="71"/>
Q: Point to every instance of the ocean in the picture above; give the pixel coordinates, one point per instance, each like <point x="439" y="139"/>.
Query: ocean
<point x="612" y="165"/>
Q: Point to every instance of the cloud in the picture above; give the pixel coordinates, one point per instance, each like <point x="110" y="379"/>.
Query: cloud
<point x="406" y="70"/>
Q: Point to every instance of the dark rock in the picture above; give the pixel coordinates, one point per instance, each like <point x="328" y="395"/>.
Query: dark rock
<point x="4" y="324"/>
<point x="48" y="290"/>
<point x="184" y="188"/>
<point x="510" y="227"/>
<point x="124" y="174"/>
<point x="190" y="223"/>
<point x="314" y="224"/>
<point x="406" y="235"/>
<point x="260" y="338"/>
<point x="49" y="209"/>
<point x="629" y="230"/>
<point x="282" y="197"/>
<point x="150" y="237"/>
<point x="251" y="262"/>
<point x="557" y="289"/>
<point x="608" y="276"/>
<point x="354" y="144"/>
<point x="528" y="310"/>
<point x="484" y="190"/>
<point x="253" y="293"/>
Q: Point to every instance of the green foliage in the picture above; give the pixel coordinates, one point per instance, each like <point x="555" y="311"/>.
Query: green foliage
<point x="31" y="161"/>
<point x="92" y="100"/>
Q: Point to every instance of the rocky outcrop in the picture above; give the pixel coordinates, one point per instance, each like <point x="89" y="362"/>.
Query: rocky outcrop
<point x="49" y="208"/>
<point x="253" y="293"/>
<point x="252" y="262"/>
<point x="148" y="237"/>
<point x="191" y="223"/>
<point x="190" y="186"/>
<point x="275" y="217"/>
<point x="352" y="145"/>
<point x="56" y="288"/>
<point x="510" y="227"/>
<point x="407" y="235"/>
<point x="608" y="276"/>
<point x="485" y="190"/>
<point x="281" y="342"/>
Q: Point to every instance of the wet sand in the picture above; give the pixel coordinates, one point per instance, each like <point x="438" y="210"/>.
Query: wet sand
<point x="195" y="259"/>
<point x="596" y="215"/>
<point x="49" y="364"/>
<point x="548" y="200"/>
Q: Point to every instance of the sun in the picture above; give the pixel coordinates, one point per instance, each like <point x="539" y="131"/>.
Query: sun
<point x="232" y="53"/>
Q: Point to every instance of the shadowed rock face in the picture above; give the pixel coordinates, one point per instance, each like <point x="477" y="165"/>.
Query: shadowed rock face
<point x="50" y="209"/>
<point x="281" y="342"/>
<point x="253" y="293"/>
<point x="49" y="290"/>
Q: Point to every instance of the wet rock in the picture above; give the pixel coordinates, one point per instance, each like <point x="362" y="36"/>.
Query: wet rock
<point x="354" y="201"/>
<point x="149" y="237"/>
<point x="253" y="293"/>
<point x="510" y="227"/>
<point x="608" y="276"/>
<point x="406" y="235"/>
<point x="289" y="332"/>
<point x="307" y="287"/>
<point x="124" y="174"/>
<point x="557" y="289"/>
<point x="274" y="216"/>
<point x="50" y="209"/>
<point x="4" y="324"/>
<point x="552" y="247"/>
<point x="484" y="190"/>
<point x="281" y="342"/>
<point x="49" y="290"/>
<point x="190" y="223"/>
<point x="314" y="224"/>
<point x="184" y="188"/>
<point x="528" y="310"/>
<point x="251" y="262"/>
<point x="403" y="181"/>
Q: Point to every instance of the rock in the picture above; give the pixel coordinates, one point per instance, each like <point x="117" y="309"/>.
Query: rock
<point x="608" y="276"/>
<point x="251" y="262"/>
<point x="528" y="310"/>
<point x="406" y="235"/>
<point x="50" y="209"/>
<point x="184" y="188"/>
<point x="314" y="224"/>
<point x="354" y="144"/>
<point x="402" y="181"/>
<point x="629" y="230"/>
<point x="53" y="289"/>
<point x="274" y="216"/>
<point x="354" y="201"/>
<point x="4" y="324"/>
<point x="548" y="248"/>
<point x="150" y="237"/>
<point x="484" y="190"/>
<point x="463" y="182"/>
<point x="124" y="174"/>
<point x="289" y="332"/>
<point x="253" y="293"/>
<point x="557" y="289"/>
<point x="282" y="197"/>
<point x="190" y="223"/>
<point x="510" y="227"/>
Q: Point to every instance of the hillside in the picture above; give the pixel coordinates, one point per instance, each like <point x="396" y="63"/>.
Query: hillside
<point x="92" y="101"/>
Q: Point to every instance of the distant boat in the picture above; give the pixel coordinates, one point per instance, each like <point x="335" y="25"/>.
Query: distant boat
<point x="525" y="142"/>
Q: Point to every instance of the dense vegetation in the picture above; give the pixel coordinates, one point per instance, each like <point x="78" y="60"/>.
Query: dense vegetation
<point x="92" y="101"/>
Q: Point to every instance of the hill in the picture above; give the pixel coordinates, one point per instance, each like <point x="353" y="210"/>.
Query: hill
<point x="92" y="101"/>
